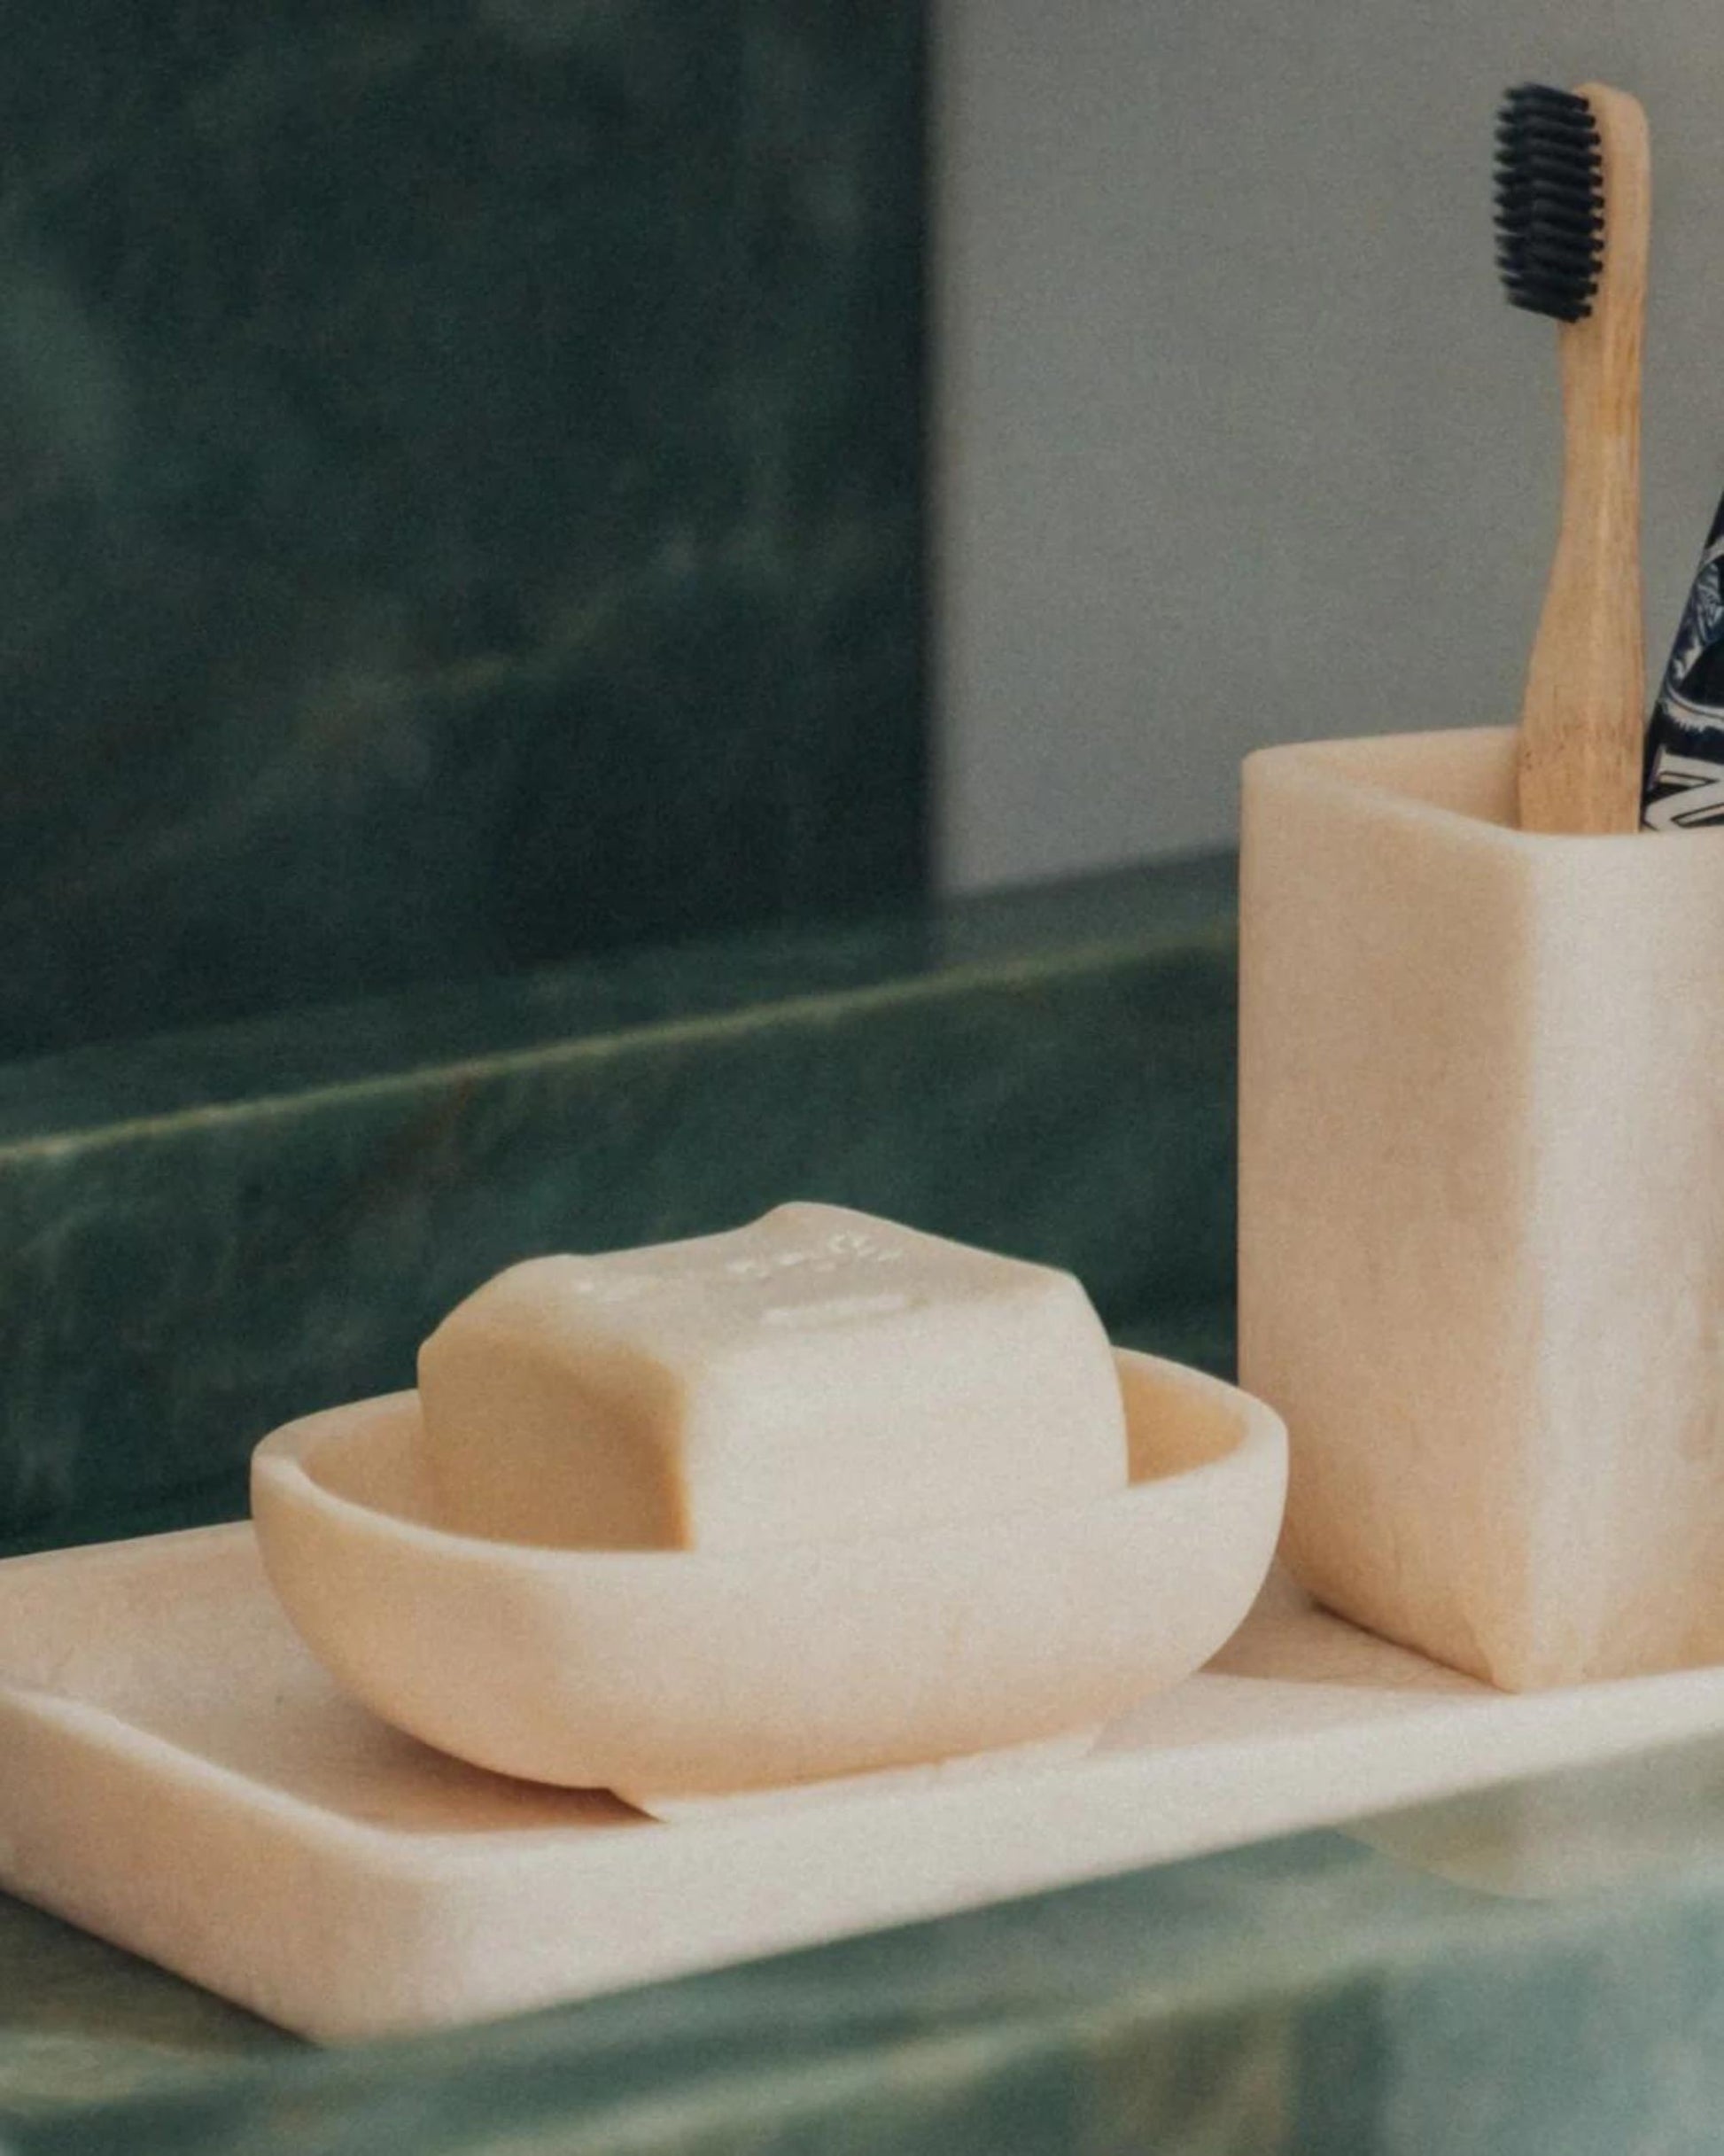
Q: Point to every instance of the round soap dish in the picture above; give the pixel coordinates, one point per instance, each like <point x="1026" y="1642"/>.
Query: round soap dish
<point x="671" y="1677"/>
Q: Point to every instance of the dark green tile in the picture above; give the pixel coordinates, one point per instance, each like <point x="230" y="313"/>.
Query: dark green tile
<point x="1128" y="915"/>
<point x="462" y="490"/>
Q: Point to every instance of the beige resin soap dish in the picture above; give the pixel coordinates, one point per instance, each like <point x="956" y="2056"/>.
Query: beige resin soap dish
<point x="670" y="1677"/>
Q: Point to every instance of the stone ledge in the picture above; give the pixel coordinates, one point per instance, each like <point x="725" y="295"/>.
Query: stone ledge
<point x="204" y="1235"/>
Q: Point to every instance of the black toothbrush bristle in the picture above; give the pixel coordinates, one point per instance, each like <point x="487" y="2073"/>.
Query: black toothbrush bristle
<point x="1549" y="201"/>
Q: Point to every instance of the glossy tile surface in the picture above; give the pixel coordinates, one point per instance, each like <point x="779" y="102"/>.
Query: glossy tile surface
<point x="462" y="491"/>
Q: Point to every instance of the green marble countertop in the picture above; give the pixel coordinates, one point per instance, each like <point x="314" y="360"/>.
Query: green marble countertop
<point x="1319" y="1995"/>
<point x="1051" y="1072"/>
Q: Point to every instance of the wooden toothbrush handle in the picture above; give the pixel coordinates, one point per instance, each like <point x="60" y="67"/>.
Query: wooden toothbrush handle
<point x="1583" y="722"/>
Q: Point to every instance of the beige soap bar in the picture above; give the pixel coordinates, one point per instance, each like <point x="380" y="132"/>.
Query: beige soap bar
<point x="820" y="1374"/>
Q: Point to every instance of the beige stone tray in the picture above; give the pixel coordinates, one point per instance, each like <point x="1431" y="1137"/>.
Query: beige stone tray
<point x="177" y="1774"/>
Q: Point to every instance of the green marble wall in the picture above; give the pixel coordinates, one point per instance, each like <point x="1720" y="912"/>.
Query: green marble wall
<point x="459" y="475"/>
<point x="202" y="1236"/>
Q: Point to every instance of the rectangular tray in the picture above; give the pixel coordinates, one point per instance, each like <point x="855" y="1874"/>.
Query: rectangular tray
<point x="197" y="1791"/>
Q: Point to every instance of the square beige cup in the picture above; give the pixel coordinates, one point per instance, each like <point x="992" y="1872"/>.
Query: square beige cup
<point x="1481" y="1209"/>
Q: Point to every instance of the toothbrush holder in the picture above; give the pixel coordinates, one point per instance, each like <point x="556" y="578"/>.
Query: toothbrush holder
<point x="1481" y="1209"/>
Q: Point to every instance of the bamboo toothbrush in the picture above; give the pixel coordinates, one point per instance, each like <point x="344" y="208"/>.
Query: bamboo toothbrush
<point x="1574" y="210"/>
